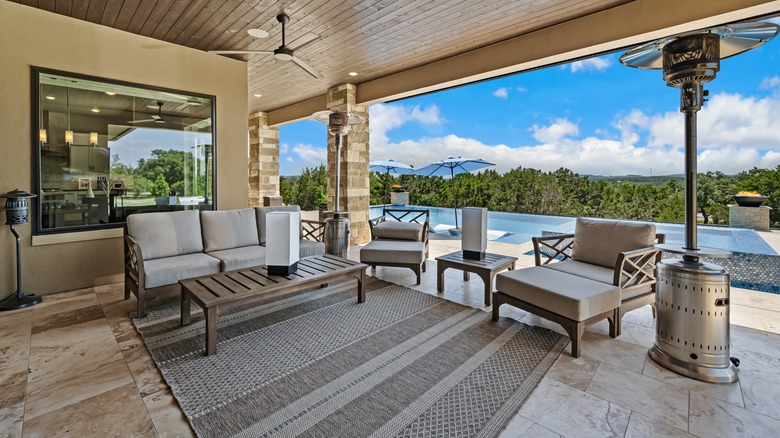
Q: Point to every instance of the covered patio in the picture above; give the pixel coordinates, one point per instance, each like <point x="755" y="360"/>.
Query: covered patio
<point x="75" y="364"/>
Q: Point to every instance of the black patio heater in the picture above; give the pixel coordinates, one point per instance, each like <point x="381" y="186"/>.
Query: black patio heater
<point x="692" y="301"/>
<point x="337" y="225"/>
<point x="17" y="212"/>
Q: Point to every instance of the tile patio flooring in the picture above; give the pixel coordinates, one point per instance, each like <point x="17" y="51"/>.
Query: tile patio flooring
<point x="75" y="366"/>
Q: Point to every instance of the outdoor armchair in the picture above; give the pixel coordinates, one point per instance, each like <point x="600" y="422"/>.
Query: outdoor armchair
<point x="399" y="238"/>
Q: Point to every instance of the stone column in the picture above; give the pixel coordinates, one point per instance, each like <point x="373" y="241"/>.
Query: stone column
<point x="354" y="164"/>
<point x="263" y="159"/>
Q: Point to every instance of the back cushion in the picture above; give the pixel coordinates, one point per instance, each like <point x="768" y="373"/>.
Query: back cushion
<point x="228" y="229"/>
<point x="166" y="234"/>
<point x="262" y="211"/>
<point x="600" y="241"/>
<point x="398" y="231"/>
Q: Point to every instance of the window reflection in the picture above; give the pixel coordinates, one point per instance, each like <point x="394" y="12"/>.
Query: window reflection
<point x="107" y="150"/>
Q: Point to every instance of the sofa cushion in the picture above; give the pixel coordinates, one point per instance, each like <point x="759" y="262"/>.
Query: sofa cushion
<point x="567" y="295"/>
<point x="169" y="270"/>
<point x="398" y="230"/>
<point x="166" y="234"/>
<point x="308" y="248"/>
<point x="240" y="258"/>
<point x="600" y="241"/>
<point x="392" y="251"/>
<point x="226" y="229"/>
<point x="262" y="211"/>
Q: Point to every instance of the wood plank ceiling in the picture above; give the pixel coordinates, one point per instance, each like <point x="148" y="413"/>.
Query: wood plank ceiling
<point x="374" y="38"/>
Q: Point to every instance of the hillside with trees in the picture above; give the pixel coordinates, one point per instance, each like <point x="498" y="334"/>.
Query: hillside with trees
<point x="561" y="193"/>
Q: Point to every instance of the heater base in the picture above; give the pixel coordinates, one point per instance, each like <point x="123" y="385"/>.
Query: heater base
<point x="283" y="270"/>
<point x="727" y="374"/>
<point x="473" y="255"/>
<point x="19" y="301"/>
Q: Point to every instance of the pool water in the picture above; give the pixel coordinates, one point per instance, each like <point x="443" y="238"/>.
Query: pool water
<point x="520" y="228"/>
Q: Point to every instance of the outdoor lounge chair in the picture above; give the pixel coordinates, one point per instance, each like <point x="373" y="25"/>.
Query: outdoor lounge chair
<point x="603" y="270"/>
<point x="398" y="238"/>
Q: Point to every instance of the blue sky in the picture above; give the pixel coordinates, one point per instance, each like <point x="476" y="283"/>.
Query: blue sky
<point x="594" y="117"/>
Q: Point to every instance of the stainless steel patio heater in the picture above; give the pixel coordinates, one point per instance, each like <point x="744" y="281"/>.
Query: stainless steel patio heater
<point x="692" y="301"/>
<point x="337" y="226"/>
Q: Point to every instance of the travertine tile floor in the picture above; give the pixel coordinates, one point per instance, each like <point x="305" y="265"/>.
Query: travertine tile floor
<point x="75" y="366"/>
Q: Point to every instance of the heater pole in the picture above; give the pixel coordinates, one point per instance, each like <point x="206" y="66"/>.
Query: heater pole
<point x="691" y="101"/>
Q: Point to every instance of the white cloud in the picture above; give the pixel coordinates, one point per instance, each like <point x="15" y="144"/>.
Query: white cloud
<point x="310" y="154"/>
<point x="599" y="64"/>
<point x="386" y="117"/>
<point x="521" y="89"/>
<point x="768" y="82"/>
<point x="556" y="131"/>
<point x="502" y="93"/>
<point x="284" y="148"/>
<point x="735" y="133"/>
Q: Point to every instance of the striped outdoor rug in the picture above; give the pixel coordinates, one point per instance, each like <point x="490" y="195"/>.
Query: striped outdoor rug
<point x="317" y="363"/>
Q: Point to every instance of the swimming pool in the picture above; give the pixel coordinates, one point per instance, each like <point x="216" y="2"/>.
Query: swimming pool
<point x="520" y="228"/>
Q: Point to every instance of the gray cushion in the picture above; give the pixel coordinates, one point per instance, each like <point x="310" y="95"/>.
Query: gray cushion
<point x="262" y="211"/>
<point x="393" y="251"/>
<point x="240" y="258"/>
<point x="169" y="270"/>
<point x="166" y="234"/>
<point x="398" y="230"/>
<point x="600" y="241"/>
<point x="567" y="295"/>
<point x="585" y="270"/>
<point x="228" y="229"/>
<point x="309" y="248"/>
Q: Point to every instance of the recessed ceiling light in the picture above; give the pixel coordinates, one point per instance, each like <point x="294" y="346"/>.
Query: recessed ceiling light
<point x="257" y="33"/>
<point x="353" y="73"/>
<point x="50" y="97"/>
<point x="110" y="93"/>
<point x="258" y="95"/>
<point x="95" y="110"/>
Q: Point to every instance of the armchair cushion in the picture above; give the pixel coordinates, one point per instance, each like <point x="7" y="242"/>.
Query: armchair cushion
<point x="584" y="270"/>
<point x="393" y="251"/>
<point x="166" y="234"/>
<point x="600" y="241"/>
<point x="226" y="229"/>
<point x="398" y="231"/>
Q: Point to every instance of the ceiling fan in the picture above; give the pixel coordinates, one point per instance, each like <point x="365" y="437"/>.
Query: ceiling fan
<point x="282" y="53"/>
<point x="156" y="118"/>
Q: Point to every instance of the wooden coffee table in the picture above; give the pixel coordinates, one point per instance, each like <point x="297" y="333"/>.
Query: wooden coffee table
<point x="212" y="291"/>
<point x="487" y="268"/>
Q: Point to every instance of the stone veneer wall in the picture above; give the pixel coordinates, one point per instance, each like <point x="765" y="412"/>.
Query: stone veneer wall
<point x="355" y="188"/>
<point x="263" y="159"/>
<point x="756" y="218"/>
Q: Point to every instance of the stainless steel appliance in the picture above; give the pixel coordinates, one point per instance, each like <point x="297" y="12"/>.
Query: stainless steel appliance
<point x="692" y="299"/>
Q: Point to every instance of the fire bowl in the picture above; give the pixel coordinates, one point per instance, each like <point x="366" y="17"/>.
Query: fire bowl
<point x="749" y="201"/>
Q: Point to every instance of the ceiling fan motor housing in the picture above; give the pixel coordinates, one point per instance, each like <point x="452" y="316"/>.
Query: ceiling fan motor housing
<point x="691" y="59"/>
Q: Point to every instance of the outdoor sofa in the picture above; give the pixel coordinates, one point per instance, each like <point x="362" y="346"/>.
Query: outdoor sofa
<point x="399" y="238"/>
<point x="163" y="248"/>
<point x="603" y="270"/>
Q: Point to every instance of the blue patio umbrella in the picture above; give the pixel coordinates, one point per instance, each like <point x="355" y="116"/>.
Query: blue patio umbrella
<point x="390" y="166"/>
<point x="453" y="166"/>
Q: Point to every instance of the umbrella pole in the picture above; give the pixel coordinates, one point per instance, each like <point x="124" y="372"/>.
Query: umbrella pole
<point x="387" y="175"/>
<point x="454" y="199"/>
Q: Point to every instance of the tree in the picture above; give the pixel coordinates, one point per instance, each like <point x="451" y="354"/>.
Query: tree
<point x="160" y="187"/>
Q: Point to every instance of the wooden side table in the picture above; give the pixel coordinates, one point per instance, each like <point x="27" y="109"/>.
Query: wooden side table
<point x="487" y="268"/>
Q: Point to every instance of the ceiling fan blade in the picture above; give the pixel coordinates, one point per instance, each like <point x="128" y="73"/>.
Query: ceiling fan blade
<point x="141" y="121"/>
<point x="306" y="67"/>
<point x="241" y="52"/>
<point x="304" y="41"/>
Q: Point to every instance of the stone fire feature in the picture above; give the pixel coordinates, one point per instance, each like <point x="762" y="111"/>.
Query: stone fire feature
<point x="756" y="218"/>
